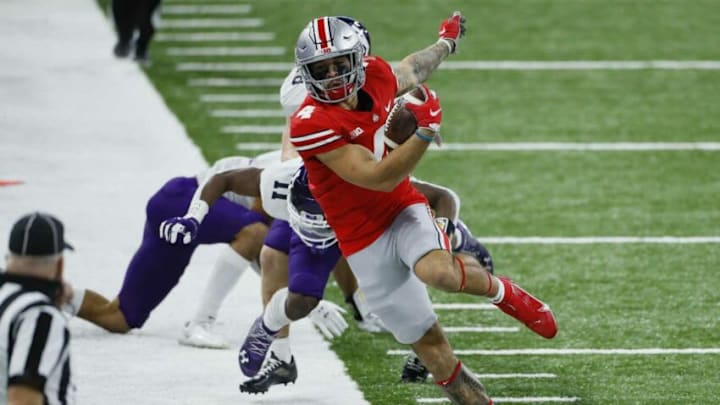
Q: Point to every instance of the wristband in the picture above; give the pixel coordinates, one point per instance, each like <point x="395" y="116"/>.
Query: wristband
<point x="425" y="138"/>
<point x="198" y="209"/>
<point x="450" y="44"/>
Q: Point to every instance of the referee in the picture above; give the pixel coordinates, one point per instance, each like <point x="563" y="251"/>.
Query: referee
<point x="34" y="336"/>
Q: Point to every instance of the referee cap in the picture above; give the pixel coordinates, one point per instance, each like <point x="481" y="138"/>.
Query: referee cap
<point x="38" y="234"/>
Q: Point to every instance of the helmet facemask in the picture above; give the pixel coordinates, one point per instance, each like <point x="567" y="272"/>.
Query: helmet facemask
<point x="305" y="215"/>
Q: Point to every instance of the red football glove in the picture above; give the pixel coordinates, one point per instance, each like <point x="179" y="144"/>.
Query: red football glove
<point x="427" y="111"/>
<point x="451" y="30"/>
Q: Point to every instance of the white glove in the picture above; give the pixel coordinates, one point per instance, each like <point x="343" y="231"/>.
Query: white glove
<point x="327" y="316"/>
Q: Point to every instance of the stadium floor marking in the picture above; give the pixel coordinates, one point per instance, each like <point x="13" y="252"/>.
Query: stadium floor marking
<point x="213" y="36"/>
<point x="544" y="146"/>
<point x="505" y="400"/>
<point x="223" y="82"/>
<point x="479" y="65"/>
<point x="564" y="352"/>
<point x="499" y="376"/>
<point x="195" y="9"/>
<point x="253" y="129"/>
<point x="227" y="51"/>
<point x="212" y="22"/>
<point x="464" y="306"/>
<point x="238" y="98"/>
<point x="592" y="240"/>
<point x="249" y="113"/>
<point x="480" y="329"/>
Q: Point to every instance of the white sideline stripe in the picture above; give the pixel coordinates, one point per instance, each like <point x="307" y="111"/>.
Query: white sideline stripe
<point x="563" y="352"/>
<point x="247" y="113"/>
<point x="234" y="67"/>
<point x="499" y="65"/>
<point x="582" y="65"/>
<point x="589" y="240"/>
<point x="214" y="36"/>
<point x="222" y="82"/>
<point x="582" y="146"/>
<point x="495" y="376"/>
<point x="554" y="146"/>
<point x="505" y="400"/>
<point x="465" y="306"/>
<point x="515" y="375"/>
<point x="227" y="51"/>
<point x="212" y="22"/>
<point x="480" y="329"/>
<point x="207" y="9"/>
<point x="237" y="98"/>
<point x="253" y="129"/>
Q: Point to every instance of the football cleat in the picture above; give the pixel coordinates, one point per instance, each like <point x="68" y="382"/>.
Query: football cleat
<point x="255" y="347"/>
<point x="201" y="334"/>
<point x="527" y="309"/>
<point x="274" y="372"/>
<point x="413" y="370"/>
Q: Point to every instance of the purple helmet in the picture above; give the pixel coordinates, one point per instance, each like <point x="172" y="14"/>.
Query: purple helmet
<point x="306" y="217"/>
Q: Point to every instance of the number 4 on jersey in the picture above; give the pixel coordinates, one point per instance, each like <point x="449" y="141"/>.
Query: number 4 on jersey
<point x="306" y="112"/>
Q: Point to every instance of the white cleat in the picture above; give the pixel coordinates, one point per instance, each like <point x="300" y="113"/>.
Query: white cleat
<point x="372" y="323"/>
<point x="200" y="334"/>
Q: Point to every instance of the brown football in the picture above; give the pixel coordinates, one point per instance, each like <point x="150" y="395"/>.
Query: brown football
<point x="401" y="123"/>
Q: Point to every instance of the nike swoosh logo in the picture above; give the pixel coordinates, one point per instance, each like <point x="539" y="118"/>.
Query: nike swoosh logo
<point x="387" y="109"/>
<point x="442" y="31"/>
<point x="434" y="113"/>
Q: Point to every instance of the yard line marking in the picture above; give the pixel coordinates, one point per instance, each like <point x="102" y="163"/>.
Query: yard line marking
<point x="503" y="400"/>
<point x="583" y="65"/>
<point x="563" y="352"/>
<point x="234" y="67"/>
<point x="500" y="65"/>
<point x="213" y="36"/>
<point x="588" y="240"/>
<point x="253" y="129"/>
<point x="237" y="98"/>
<point x="227" y="51"/>
<point x="223" y="82"/>
<point x="212" y="22"/>
<point x="582" y="146"/>
<point x="207" y="9"/>
<point x="464" y="306"/>
<point x="554" y="146"/>
<point x="250" y="113"/>
<point x="496" y="376"/>
<point x="480" y="329"/>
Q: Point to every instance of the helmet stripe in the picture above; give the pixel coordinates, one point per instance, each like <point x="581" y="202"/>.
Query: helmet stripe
<point x="322" y="28"/>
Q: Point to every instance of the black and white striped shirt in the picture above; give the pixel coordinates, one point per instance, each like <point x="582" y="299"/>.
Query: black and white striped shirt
<point x="34" y="339"/>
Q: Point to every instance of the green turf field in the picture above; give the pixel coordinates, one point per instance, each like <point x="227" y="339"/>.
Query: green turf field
<point x="605" y="295"/>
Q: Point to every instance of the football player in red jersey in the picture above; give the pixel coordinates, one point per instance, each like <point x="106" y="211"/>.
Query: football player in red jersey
<point x="383" y="225"/>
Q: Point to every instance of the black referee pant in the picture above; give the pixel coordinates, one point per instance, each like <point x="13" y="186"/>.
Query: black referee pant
<point x="132" y="15"/>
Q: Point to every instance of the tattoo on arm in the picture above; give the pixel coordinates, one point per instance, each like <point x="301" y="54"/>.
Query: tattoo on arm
<point x="416" y="67"/>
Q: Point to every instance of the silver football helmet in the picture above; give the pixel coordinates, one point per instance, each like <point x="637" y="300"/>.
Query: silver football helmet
<point x="339" y="47"/>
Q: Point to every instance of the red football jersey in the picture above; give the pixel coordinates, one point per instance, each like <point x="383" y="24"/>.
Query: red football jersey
<point x="358" y="215"/>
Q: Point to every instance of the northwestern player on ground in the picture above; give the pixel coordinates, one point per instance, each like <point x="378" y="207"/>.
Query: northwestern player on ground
<point x="158" y="265"/>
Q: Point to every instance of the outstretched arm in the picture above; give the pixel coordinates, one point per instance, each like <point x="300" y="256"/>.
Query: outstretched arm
<point x="417" y="67"/>
<point x="244" y="181"/>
